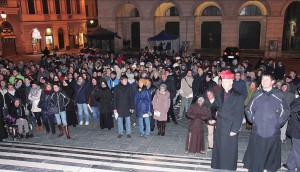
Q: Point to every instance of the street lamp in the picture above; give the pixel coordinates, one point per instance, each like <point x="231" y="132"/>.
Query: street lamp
<point x="3" y="15"/>
<point x="91" y="21"/>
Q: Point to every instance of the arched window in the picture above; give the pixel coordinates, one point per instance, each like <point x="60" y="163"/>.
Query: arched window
<point x="251" y="10"/>
<point x="135" y="13"/>
<point x="5" y="26"/>
<point x="173" y="11"/>
<point x="211" y="11"/>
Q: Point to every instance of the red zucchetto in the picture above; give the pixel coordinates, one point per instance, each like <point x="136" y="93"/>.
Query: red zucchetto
<point x="226" y="74"/>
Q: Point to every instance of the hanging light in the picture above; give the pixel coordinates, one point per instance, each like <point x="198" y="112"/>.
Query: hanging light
<point x="3" y="15"/>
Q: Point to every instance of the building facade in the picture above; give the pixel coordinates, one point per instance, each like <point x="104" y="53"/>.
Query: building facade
<point x="265" y="25"/>
<point x="36" y="24"/>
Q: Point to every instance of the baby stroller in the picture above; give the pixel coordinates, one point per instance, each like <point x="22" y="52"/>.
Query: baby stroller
<point x="12" y="128"/>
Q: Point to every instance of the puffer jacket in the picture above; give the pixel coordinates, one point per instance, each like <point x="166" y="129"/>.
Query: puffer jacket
<point x="293" y="129"/>
<point x="142" y="102"/>
<point x="268" y="111"/>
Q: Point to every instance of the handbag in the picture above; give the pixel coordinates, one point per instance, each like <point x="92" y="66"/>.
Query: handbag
<point x="53" y="110"/>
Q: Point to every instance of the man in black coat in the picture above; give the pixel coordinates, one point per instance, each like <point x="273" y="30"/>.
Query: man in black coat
<point x="199" y="79"/>
<point x="171" y="87"/>
<point x="123" y="105"/>
<point x="229" y="120"/>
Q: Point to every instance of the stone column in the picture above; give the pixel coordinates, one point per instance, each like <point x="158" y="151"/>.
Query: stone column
<point x="146" y="30"/>
<point x="230" y="32"/>
<point x="274" y="32"/>
<point x="187" y="30"/>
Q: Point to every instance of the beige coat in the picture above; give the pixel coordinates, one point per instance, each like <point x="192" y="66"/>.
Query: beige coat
<point x="186" y="90"/>
<point x="161" y="103"/>
<point x="35" y="99"/>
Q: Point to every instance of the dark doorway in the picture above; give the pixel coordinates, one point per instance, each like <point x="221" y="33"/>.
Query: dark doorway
<point x="249" y="35"/>
<point x="61" y="40"/>
<point x="211" y="35"/>
<point x="9" y="47"/>
<point x="172" y="28"/>
<point x="291" y="29"/>
<point x="135" y="35"/>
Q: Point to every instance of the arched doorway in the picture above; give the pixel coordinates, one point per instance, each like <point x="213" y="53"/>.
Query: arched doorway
<point x="8" y="44"/>
<point x="211" y="30"/>
<point x="135" y="31"/>
<point x="291" y="29"/>
<point x="61" y="40"/>
<point x="128" y="26"/>
<point x="36" y="41"/>
<point x="167" y="18"/>
<point x="249" y="30"/>
<point x="208" y="26"/>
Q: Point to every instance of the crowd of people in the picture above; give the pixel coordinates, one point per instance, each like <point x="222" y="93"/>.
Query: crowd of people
<point x="143" y="91"/>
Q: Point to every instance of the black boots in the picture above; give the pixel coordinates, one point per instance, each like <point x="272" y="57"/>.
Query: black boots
<point x="163" y="128"/>
<point x="159" y="128"/>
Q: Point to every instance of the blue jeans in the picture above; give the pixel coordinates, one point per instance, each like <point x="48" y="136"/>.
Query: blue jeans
<point x="83" y="108"/>
<point x="96" y="113"/>
<point x="127" y="124"/>
<point x="141" y="126"/>
<point x="61" y="118"/>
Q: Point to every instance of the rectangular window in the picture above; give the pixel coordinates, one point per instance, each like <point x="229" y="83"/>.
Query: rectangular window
<point x="57" y="6"/>
<point x="45" y="7"/>
<point x="68" y="3"/>
<point x="3" y="3"/>
<point x="31" y="9"/>
<point x="87" y="10"/>
<point x="78" y="6"/>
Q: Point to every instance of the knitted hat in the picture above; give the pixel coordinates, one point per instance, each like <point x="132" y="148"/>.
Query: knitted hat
<point x="163" y="86"/>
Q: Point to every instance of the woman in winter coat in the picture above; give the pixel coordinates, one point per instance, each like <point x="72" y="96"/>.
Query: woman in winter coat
<point x="59" y="101"/>
<point x="91" y="100"/>
<point x="161" y="103"/>
<point x="104" y="97"/>
<point x="44" y="104"/>
<point x="10" y="95"/>
<point x="198" y="113"/>
<point x="34" y="97"/>
<point x="70" y="109"/>
<point x="293" y="131"/>
<point x="142" y="104"/>
<point x="80" y="88"/>
<point x="17" y="111"/>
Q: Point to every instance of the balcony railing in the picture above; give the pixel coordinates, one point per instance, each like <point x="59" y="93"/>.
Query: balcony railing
<point x="3" y="3"/>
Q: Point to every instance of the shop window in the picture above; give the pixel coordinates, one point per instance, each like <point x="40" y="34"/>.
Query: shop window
<point x="68" y="3"/>
<point x="173" y="11"/>
<point x="211" y="11"/>
<point x="31" y="9"/>
<point x="251" y="10"/>
<point x="57" y="6"/>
